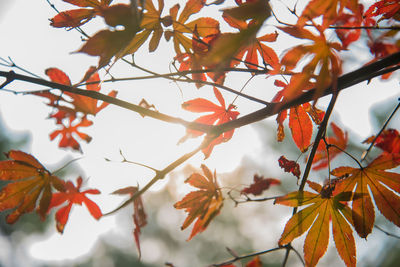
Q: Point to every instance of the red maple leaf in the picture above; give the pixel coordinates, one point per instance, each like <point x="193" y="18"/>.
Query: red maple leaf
<point x="219" y="115"/>
<point x="259" y="185"/>
<point x="289" y="166"/>
<point x="388" y="141"/>
<point x="386" y="8"/>
<point x="81" y="103"/>
<point x="139" y="215"/>
<point x="77" y="17"/>
<point x="73" y="195"/>
<point x="67" y="133"/>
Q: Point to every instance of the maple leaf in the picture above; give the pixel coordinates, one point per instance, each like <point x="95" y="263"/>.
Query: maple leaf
<point x="108" y="43"/>
<point x="219" y="115"/>
<point x="259" y="185"/>
<point x="387" y="8"/>
<point x="339" y="140"/>
<point x="299" y="123"/>
<point x="201" y="205"/>
<point x="323" y="59"/>
<point x="73" y="195"/>
<point x="353" y="23"/>
<point x="289" y="166"/>
<point x="139" y="215"/>
<point x="193" y="61"/>
<point x="255" y="47"/>
<point x="204" y="26"/>
<point x="152" y="22"/>
<point x="67" y="133"/>
<point x="78" y="17"/>
<point x="388" y="141"/>
<point x="380" y="183"/>
<point x="84" y="104"/>
<point x="328" y="9"/>
<point x="228" y="45"/>
<point x="326" y="206"/>
<point x="30" y="185"/>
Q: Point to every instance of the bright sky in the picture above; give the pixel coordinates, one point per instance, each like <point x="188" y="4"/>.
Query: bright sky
<point x="29" y="40"/>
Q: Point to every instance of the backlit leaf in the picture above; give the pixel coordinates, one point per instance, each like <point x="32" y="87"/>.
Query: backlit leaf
<point x="201" y="205"/>
<point x="30" y="185"/>
<point x="139" y="215"/>
<point x="323" y="207"/>
<point x="218" y="115"/>
<point x="372" y="178"/>
<point x="73" y="195"/>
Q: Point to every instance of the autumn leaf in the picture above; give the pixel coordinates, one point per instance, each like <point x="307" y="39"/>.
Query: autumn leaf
<point x="289" y="166"/>
<point x="301" y="127"/>
<point x="328" y="9"/>
<point x="256" y="262"/>
<point x="108" y="43"/>
<point x="338" y="144"/>
<point x="69" y="131"/>
<point x="255" y="47"/>
<point x="299" y="123"/>
<point x="152" y="22"/>
<point x="139" y="215"/>
<point x="326" y="206"/>
<point x="383" y="186"/>
<point x="201" y="205"/>
<point x="204" y="25"/>
<point x="388" y="141"/>
<point x="387" y="8"/>
<point x="83" y="104"/>
<point x="73" y="195"/>
<point x="259" y="185"/>
<point x="323" y="59"/>
<point x="30" y="185"/>
<point x="219" y="115"/>
<point x="77" y="17"/>
<point x="353" y="23"/>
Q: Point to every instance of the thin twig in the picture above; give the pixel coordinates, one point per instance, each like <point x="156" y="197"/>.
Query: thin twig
<point x="386" y="232"/>
<point x="237" y="258"/>
<point x="161" y="174"/>
<point x="199" y="81"/>
<point x="364" y="155"/>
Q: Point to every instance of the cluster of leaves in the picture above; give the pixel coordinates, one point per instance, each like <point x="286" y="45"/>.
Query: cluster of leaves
<point x="208" y="54"/>
<point x="31" y="187"/>
<point x="71" y="111"/>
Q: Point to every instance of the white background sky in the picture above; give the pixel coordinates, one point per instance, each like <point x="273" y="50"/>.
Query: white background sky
<point x="29" y="40"/>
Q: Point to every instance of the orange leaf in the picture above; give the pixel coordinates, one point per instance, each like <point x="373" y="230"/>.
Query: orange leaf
<point x="73" y="195"/>
<point x="301" y="127"/>
<point x="139" y="215"/>
<point x="323" y="59"/>
<point x="77" y="17"/>
<point x="205" y="26"/>
<point x="328" y="9"/>
<point x="219" y="115"/>
<point x="29" y="188"/>
<point x="322" y="207"/>
<point x="372" y="178"/>
<point x="201" y="205"/>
